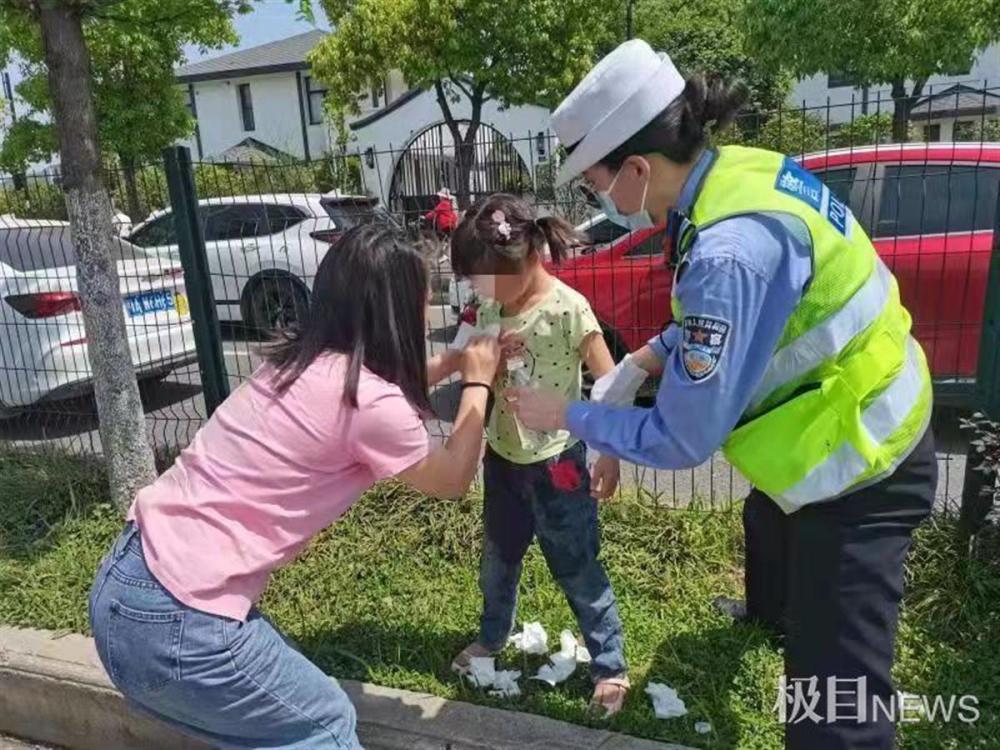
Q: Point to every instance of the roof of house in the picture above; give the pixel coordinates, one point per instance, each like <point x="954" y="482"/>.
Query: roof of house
<point x="273" y="57"/>
<point x="250" y="150"/>
<point x="955" y="101"/>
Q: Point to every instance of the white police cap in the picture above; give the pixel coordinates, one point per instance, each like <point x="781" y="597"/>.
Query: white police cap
<point x="620" y="95"/>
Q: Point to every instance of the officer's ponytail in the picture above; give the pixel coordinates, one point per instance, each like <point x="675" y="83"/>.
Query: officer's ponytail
<point x="679" y="132"/>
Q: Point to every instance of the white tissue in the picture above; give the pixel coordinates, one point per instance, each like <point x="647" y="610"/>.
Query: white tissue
<point x="666" y="703"/>
<point x="619" y="386"/>
<point x="466" y="332"/>
<point x="559" y="669"/>
<point x="532" y="640"/>
<point x="482" y="671"/>
<point x="570" y="647"/>
<point x="505" y="684"/>
<point x="484" y="674"/>
<point x="702" y="727"/>
<point x="562" y="664"/>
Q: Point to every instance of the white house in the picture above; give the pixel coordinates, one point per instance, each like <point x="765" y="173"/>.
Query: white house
<point x="408" y="151"/>
<point x="949" y="104"/>
<point x="264" y="101"/>
<point x="257" y="99"/>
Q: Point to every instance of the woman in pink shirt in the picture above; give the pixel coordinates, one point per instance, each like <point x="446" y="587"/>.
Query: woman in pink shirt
<point x="337" y="407"/>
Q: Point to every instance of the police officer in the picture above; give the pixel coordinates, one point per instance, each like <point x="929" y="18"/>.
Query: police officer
<point x="790" y="350"/>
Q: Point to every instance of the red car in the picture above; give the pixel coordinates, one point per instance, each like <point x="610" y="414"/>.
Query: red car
<point x="930" y="210"/>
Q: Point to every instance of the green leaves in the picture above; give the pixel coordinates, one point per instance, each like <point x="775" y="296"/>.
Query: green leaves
<point x="134" y="47"/>
<point x="515" y="51"/>
<point x="877" y="42"/>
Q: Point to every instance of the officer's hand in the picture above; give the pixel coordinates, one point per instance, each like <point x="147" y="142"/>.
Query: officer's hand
<point x="604" y="477"/>
<point x="538" y="408"/>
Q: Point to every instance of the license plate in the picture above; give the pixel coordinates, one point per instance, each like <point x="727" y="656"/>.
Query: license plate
<point x="150" y="302"/>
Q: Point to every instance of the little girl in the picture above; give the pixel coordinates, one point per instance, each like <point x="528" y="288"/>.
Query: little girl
<point x="537" y="484"/>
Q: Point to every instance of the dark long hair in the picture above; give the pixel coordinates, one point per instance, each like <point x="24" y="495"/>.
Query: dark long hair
<point x="480" y="246"/>
<point x="369" y="301"/>
<point x="681" y="130"/>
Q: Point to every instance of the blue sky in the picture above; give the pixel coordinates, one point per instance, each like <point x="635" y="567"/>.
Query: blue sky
<point x="270" y="20"/>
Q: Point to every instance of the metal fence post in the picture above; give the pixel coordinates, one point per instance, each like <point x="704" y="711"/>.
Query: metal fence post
<point x="976" y="506"/>
<point x="197" y="279"/>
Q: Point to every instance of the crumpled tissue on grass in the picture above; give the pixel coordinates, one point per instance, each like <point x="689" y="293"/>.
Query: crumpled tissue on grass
<point x="666" y="703"/>
<point x="505" y="684"/>
<point x="562" y="664"/>
<point x="484" y="674"/>
<point x="532" y="640"/>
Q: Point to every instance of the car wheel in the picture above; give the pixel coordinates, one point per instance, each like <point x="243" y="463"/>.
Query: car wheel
<point x="276" y="304"/>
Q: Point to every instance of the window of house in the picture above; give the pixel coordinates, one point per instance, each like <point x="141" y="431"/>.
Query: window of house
<point x="932" y="133"/>
<point x="314" y="101"/>
<point x="937" y="198"/>
<point x="378" y="94"/>
<point x="246" y="106"/>
<point x="190" y="102"/>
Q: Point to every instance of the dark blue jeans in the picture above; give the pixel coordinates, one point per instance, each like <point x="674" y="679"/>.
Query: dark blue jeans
<point x="550" y="500"/>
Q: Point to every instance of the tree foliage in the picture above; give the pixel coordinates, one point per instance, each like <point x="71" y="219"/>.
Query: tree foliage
<point x="513" y="52"/>
<point x="900" y="43"/>
<point x="134" y="47"/>
<point x="707" y="37"/>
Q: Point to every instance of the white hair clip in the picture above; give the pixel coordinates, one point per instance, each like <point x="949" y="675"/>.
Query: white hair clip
<point x="503" y="226"/>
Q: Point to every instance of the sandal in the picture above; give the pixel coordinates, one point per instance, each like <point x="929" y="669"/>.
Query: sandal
<point x="609" y="696"/>
<point x="463" y="661"/>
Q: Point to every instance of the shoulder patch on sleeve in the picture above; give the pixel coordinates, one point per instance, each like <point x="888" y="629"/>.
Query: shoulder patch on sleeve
<point x="703" y="343"/>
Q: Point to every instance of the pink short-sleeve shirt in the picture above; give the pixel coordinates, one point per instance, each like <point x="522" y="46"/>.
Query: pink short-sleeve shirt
<point x="267" y="473"/>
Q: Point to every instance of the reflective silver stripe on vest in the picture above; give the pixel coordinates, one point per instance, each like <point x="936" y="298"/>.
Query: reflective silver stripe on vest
<point x="840" y="471"/>
<point x="826" y="340"/>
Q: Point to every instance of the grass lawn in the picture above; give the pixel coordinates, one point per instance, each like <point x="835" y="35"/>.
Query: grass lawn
<point x="389" y="595"/>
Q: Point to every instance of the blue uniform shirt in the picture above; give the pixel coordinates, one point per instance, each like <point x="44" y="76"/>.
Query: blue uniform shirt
<point x="740" y="281"/>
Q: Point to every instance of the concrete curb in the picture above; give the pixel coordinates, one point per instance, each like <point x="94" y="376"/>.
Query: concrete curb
<point x="54" y="690"/>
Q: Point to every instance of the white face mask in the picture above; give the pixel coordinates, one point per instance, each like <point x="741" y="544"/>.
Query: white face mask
<point x="633" y="222"/>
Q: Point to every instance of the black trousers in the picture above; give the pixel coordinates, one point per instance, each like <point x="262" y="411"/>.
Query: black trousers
<point x="830" y="578"/>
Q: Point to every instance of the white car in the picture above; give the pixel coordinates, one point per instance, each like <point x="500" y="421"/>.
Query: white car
<point x="43" y="345"/>
<point x="263" y="250"/>
<point x="599" y="231"/>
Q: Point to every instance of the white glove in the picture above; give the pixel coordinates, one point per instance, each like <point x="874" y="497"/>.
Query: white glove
<point x="619" y="386"/>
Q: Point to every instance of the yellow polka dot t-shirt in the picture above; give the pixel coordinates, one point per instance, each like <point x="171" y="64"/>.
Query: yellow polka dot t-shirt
<point x="552" y="332"/>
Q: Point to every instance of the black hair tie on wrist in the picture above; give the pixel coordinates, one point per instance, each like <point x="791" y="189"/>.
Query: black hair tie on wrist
<point x="474" y="384"/>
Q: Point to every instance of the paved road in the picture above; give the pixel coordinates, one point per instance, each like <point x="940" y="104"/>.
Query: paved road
<point x="175" y="410"/>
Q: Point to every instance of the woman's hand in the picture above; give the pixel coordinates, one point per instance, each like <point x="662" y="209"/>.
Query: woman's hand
<point x="539" y="408"/>
<point x="480" y="360"/>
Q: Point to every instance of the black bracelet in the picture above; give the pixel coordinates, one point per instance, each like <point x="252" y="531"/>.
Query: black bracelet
<point x="474" y="384"/>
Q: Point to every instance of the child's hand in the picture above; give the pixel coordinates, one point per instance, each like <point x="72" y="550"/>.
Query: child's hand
<point x="604" y="477"/>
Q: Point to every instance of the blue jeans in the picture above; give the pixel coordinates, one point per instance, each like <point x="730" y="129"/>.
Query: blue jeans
<point x="234" y="684"/>
<point x="550" y="500"/>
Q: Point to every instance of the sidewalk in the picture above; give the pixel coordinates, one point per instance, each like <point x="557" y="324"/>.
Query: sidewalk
<point x="54" y="690"/>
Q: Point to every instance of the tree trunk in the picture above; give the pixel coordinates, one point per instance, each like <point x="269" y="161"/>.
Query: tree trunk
<point x="465" y="146"/>
<point x="901" y="104"/>
<point x="122" y="423"/>
<point x="135" y="212"/>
